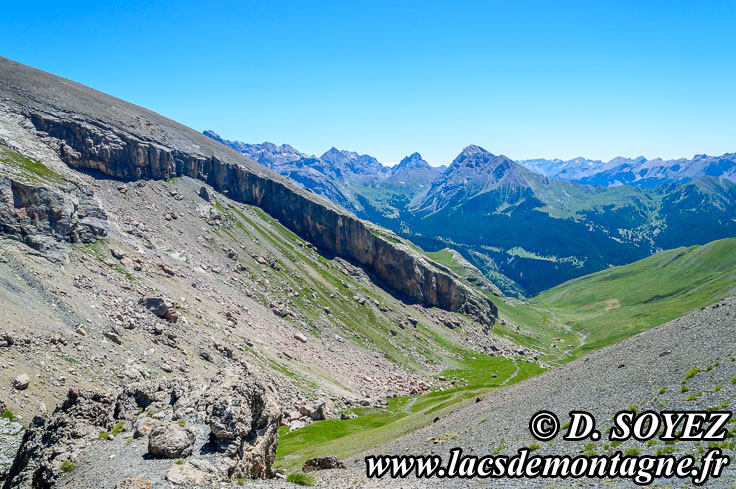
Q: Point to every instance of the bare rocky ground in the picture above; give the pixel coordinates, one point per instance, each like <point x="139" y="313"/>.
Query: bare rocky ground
<point x="80" y="323"/>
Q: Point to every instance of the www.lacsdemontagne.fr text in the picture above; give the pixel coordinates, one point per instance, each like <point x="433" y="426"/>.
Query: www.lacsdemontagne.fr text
<point x="641" y="469"/>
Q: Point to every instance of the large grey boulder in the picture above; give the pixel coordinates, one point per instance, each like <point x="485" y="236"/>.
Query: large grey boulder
<point x="21" y="382"/>
<point x="144" y="426"/>
<point x="155" y="305"/>
<point x="169" y="440"/>
<point x="159" y="307"/>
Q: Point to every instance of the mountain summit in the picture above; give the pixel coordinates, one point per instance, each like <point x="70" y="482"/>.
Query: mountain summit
<point x="473" y="172"/>
<point x="413" y="161"/>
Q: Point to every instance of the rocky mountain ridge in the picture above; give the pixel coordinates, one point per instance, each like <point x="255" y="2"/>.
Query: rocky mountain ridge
<point x="487" y="207"/>
<point x="98" y="133"/>
<point x="475" y="171"/>
<point x="639" y="172"/>
<point x="493" y="206"/>
<point x="341" y="176"/>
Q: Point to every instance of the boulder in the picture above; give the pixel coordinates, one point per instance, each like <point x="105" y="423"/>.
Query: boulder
<point x="322" y="463"/>
<point x="187" y="475"/>
<point x="319" y="413"/>
<point x="6" y="339"/>
<point x="244" y="421"/>
<point x="280" y="310"/>
<point x="292" y="415"/>
<point x="21" y="382"/>
<point x="155" y="305"/>
<point x="113" y="336"/>
<point x="169" y="440"/>
<point x="159" y="307"/>
<point x="117" y="253"/>
<point x="144" y="425"/>
<point x="204" y="193"/>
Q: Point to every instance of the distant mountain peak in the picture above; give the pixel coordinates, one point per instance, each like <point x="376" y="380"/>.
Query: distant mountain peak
<point x="334" y="154"/>
<point x="472" y="149"/>
<point x="414" y="160"/>
<point x="477" y="158"/>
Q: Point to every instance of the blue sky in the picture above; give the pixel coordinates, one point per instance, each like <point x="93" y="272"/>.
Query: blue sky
<point x="524" y="79"/>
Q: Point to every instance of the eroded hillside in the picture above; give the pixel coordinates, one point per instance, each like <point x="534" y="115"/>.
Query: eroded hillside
<point x="133" y="254"/>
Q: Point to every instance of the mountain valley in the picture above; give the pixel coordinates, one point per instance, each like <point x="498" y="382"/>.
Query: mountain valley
<point x="491" y="210"/>
<point x="178" y="312"/>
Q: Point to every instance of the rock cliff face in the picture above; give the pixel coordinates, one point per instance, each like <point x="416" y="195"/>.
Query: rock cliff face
<point x="96" y="132"/>
<point x="41" y="216"/>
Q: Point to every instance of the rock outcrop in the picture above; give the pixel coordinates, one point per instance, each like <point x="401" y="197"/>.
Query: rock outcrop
<point x="52" y="445"/>
<point x="98" y="133"/>
<point x="41" y="216"/>
<point x="228" y="426"/>
<point x="11" y="435"/>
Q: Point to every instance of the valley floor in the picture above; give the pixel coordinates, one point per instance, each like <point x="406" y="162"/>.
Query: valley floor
<point x="686" y="364"/>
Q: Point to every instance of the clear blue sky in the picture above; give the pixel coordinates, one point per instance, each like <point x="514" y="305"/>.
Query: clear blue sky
<point x="524" y="79"/>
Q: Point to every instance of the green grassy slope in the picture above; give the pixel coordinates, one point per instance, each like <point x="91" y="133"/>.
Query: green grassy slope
<point x="476" y="375"/>
<point x="620" y="302"/>
<point x="593" y="311"/>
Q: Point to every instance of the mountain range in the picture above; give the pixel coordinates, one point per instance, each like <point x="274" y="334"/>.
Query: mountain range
<point x="176" y="314"/>
<point x="639" y="172"/>
<point x="513" y="220"/>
